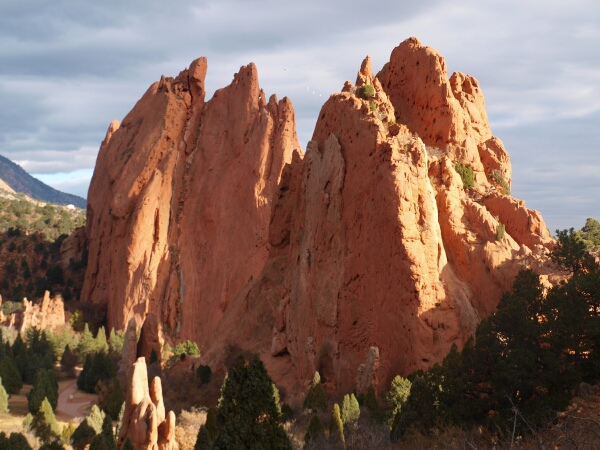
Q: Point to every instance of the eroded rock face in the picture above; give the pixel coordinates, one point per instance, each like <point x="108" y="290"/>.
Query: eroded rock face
<point x="49" y="314"/>
<point x="144" y="419"/>
<point x="182" y="189"/>
<point x="207" y="220"/>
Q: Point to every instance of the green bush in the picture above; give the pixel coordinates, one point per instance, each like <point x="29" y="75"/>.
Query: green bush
<point x="336" y="426"/>
<point x="466" y="174"/>
<point x="371" y="106"/>
<point x="499" y="179"/>
<point x="396" y="397"/>
<point x="44" y="423"/>
<point x="350" y="409"/>
<point x="316" y="400"/>
<point x="500" y="232"/>
<point x="366" y="91"/>
<point x="315" y="430"/>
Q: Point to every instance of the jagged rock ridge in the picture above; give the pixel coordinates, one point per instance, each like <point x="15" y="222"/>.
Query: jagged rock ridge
<point x="207" y="216"/>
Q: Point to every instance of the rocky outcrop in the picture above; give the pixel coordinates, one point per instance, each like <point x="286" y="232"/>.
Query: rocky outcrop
<point x="49" y="314"/>
<point x="207" y="221"/>
<point x="182" y="189"/>
<point x="144" y="418"/>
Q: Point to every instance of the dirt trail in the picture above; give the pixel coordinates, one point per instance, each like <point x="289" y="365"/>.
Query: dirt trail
<point x="72" y="403"/>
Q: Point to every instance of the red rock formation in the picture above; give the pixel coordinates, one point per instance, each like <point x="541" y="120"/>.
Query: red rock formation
<point x="182" y="189"/>
<point x="144" y="419"/>
<point x="49" y="314"/>
<point x="205" y="218"/>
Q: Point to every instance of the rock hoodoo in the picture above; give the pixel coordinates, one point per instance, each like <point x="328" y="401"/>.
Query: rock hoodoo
<point x="207" y="221"/>
<point x="144" y="418"/>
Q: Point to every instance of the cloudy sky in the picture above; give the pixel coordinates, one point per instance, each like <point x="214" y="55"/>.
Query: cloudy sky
<point x="67" y="68"/>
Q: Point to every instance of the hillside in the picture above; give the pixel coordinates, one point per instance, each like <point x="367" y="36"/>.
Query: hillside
<point x="20" y="181"/>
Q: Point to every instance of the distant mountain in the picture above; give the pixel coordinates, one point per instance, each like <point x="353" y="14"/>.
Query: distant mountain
<point x="20" y="181"/>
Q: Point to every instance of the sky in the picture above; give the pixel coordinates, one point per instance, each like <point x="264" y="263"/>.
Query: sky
<point x="68" y="68"/>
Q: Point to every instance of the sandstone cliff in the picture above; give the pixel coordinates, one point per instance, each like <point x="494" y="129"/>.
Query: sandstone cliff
<point x="363" y="258"/>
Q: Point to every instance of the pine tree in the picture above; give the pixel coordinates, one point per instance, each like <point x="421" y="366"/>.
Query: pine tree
<point x="372" y="405"/>
<point x="87" y="343"/>
<point x="396" y="397"/>
<point x="101" y="344"/>
<point x="315" y="430"/>
<point x="82" y="378"/>
<point x="350" y="409"/>
<point x="67" y="431"/>
<point x="44" y="387"/>
<point x="203" y="440"/>
<point x="418" y="411"/>
<point x="247" y="416"/>
<point x="3" y="399"/>
<point x="101" y="369"/>
<point x="115" y="400"/>
<point x="96" y="419"/>
<point x="107" y="432"/>
<point x="45" y="424"/>
<point x="11" y="378"/>
<point x="336" y="427"/>
<point x="17" y="441"/>
<point x="68" y="360"/>
<point x="83" y="435"/>
<point x="115" y="341"/>
<point x="316" y="400"/>
<point x="211" y="423"/>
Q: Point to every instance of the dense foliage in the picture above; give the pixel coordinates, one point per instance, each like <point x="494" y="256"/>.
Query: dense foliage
<point x="247" y="414"/>
<point x="466" y="174"/>
<point x="524" y="360"/>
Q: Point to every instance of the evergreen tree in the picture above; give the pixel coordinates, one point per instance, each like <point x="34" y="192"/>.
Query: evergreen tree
<point x="54" y="445"/>
<point x="203" y="440"/>
<point x="115" y="400"/>
<point x="100" y="443"/>
<point x="100" y="370"/>
<point x="11" y="378"/>
<point x="27" y="421"/>
<point x="101" y="343"/>
<point x="247" y="417"/>
<point x="590" y="234"/>
<point x="83" y="435"/>
<point x="316" y="400"/>
<point x="115" y="341"/>
<point x="87" y="343"/>
<point x="396" y="397"/>
<point x="17" y="441"/>
<point x="44" y="423"/>
<point x="211" y="423"/>
<point x="68" y="360"/>
<point x="44" y="387"/>
<point x="107" y="432"/>
<point x="336" y="427"/>
<point x="67" y="431"/>
<point x="350" y="409"/>
<point x="96" y="419"/>
<point x="372" y="405"/>
<point x="82" y="378"/>
<point x="315" y="431"/>
<point x="418" y="411"/>
<point x="3" y="399"/>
